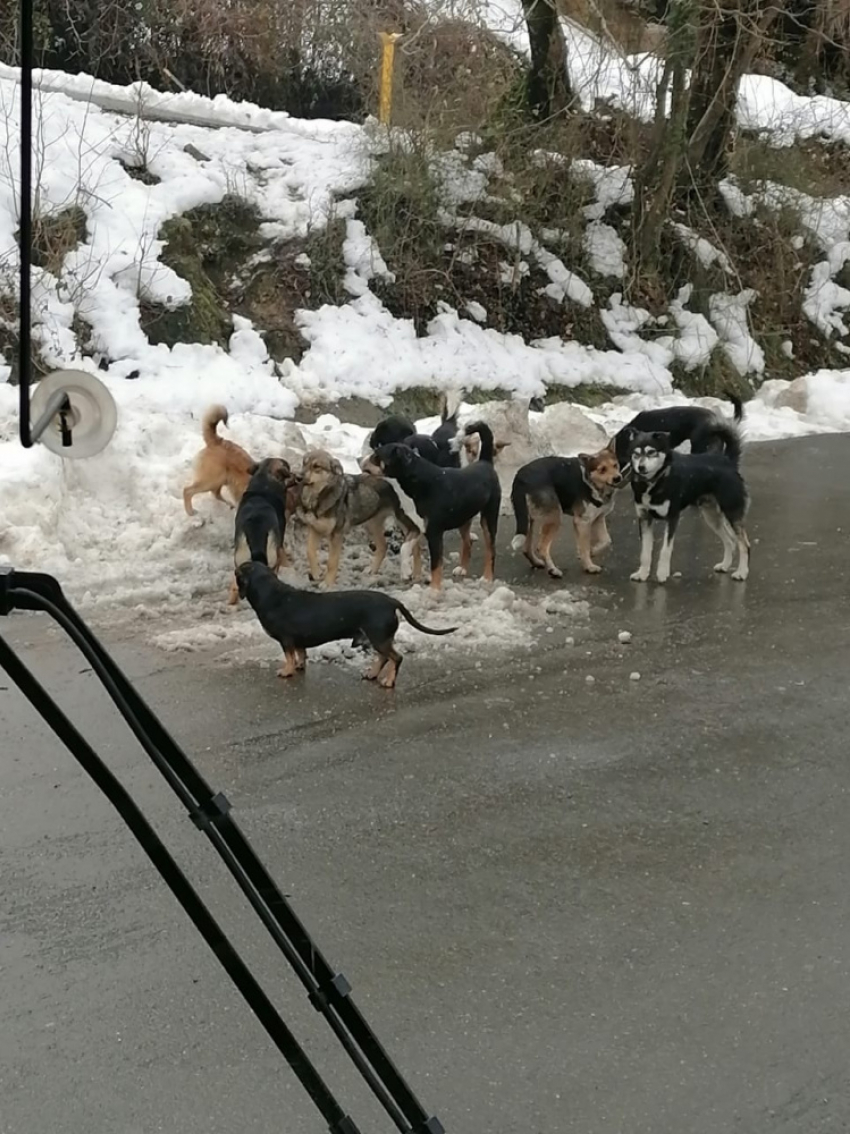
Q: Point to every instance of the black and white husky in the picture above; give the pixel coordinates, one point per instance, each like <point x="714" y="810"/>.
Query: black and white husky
<point x="665" y="483"/>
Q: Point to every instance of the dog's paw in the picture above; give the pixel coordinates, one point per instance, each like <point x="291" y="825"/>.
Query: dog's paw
<point x="722" y="568"/>
<point x="556" y="573"/>
<point x="474" y="537"/>
<point x="387" y="682"/>
<point x="662" y="576"/>
<point x="639" y="576"/>
<point x="592" y="569"/>
<point x="740" y="576"/>
<point x="286" y="671"/>
<point x="518" y="543"/>
<point x="460" y="572"/>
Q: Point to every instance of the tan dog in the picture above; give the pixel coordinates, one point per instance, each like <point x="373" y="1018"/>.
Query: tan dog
<point x="220" y="464"/>
<point x="583" y="487"/>
<point x="332" y="503"/>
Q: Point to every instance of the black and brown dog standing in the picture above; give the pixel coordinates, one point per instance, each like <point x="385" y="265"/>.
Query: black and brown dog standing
<point x="300" y="620"/>
<point x="260" y="524"/>
<point x="583" y="487"/>
<point x="448" y="499"/>
<point x="332" y="502"/>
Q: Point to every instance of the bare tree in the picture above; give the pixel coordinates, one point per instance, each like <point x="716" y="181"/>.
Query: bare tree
<point x="711" y="44"/>
<point x="655" y="180"/>
<point x="729" y="35"/>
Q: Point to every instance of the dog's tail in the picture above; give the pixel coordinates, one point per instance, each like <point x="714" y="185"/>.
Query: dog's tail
<point x="488" y="444"/>
<point x="450" y="403"/>
<point x="737" y="406"/>
<point x="209" y="424"/>
<point x="723" y="434"/>
<point x="519" y="500"/>
<point x="408" y="617"/>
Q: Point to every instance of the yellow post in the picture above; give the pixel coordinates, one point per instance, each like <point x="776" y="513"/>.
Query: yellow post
<point x="388" y="39"/>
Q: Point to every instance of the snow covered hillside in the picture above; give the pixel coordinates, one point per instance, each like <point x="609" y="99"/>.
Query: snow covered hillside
<point x="113" y="529"/>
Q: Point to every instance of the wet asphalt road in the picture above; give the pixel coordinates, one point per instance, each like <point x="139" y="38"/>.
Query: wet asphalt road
<point x="610" y="907"/>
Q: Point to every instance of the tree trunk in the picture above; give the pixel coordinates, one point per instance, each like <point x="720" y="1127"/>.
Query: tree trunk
<point x="730" y="33"/>
<point x="655" y="180"/>
<point x="548" y="82"/>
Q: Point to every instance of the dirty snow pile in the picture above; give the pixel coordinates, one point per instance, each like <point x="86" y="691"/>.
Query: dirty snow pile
<point x="113" y="528"/>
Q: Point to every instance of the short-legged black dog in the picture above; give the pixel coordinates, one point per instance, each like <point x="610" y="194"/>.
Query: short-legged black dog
<point x="582" y="487"/>
<point x="261" y="519"/>
<point x="448" y="499"/>
<point x="302" y="619"/>
<point x="666" y="483"/>
<point x="702" y="427"/>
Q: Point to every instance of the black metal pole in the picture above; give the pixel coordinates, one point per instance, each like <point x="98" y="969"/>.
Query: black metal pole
<point x="25" y="226"/>
<point x="180" y="886"/>
<point x="329" y="992"/>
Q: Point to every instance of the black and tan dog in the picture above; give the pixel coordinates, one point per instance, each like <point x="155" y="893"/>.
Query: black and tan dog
<point x="261" y="517"/>
<point x="300" y="620"/>
<point x="703" y="428"/>
<point x="583" y="487"/>
<point x="448" y="499"/>
<point x="332" y="502"/>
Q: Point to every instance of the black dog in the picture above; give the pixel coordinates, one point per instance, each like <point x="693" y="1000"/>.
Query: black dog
<point x="436" y="449"/>
<point x="702" y="427"/>
<point x="261" y="519"/>
<point x="302" y="619"/>
<point x="666" y="483"/>
<point x="448" y="498"/>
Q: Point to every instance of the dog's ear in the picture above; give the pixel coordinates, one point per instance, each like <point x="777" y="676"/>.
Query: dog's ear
<point x="662" y="440"/>
<point x="336" y="467"/>
<point x="241" y="580"/>
<point x="254" y="468"/>
<point x="280" y="470"/>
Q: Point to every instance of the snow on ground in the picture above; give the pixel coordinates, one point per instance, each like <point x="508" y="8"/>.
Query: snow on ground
<point x="113" y="529"/>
